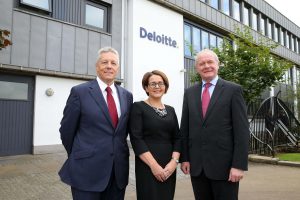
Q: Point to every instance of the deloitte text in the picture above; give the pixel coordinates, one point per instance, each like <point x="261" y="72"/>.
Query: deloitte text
<point x="159" y="38"/>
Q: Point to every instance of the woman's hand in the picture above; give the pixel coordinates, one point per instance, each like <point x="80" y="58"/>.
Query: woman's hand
<point x="170" y="168"/>
<point x="158" y="172"/>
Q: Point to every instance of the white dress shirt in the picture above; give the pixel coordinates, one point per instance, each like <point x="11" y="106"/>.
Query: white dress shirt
<point x="114" y="93"/>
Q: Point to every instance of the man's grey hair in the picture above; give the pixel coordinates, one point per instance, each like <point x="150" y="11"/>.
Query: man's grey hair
<point x="207" y="51"/>
<point x="106" y="50"/>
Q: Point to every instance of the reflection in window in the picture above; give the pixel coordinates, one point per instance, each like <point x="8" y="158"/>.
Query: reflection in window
<point x="236" y="10"/>
<point x="226" y="7"/>
<point x="297" y="45"/>
<point x="286" y="77"/>
<point x="94" y="16"/>
<point x="219" y="42"/>
<point x="42" y="4"/>
<point x="262" y="26"/>
<point x="254" y="21"/>
<point x="204" y="39"/>
<point x="13" y="90"/>
<point x="196" y="40"/>
<point x="287" y="40"/>
<point x="214" y="4"/>
<point x="269" y="29"/>
<point x="212" y="41"/>
<point x="292" y="43"/>
<point x="187" y="40"/>
<point x="298" y="75"/>
<point x="281" y="37"/>
<point x="275" y="33"/>
<point x="246" y="16"/>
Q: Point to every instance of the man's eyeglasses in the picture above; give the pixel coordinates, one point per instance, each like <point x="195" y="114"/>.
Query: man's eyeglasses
<point x="159" y="84"/>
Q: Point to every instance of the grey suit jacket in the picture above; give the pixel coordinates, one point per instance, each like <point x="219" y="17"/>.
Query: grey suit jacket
<point x="219" y="141"/>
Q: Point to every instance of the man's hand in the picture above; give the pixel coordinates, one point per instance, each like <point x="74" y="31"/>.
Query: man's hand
<point x="235" y="175"/>
<point x="185" y="167"/>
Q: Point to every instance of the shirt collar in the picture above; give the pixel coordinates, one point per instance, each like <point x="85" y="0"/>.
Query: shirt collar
<point x="103" y="86"/>
<point x="213" y="82"/>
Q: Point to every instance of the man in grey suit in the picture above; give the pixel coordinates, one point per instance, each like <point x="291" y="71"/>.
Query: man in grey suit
<point x="215" y="132"/>
<point x="94" y="131"/>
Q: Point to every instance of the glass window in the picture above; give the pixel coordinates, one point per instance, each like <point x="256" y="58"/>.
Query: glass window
<point x="292" y="43"/>
<point x="41" y="4"/>
<point x="94" y="16"/>
<point x="214" y="4"/>
<point x="236" y="10"/>
<point x="204" y="40"/>
<point x="226" y="7"/>
<point x="287" y="40"/>
<point x="298" y="75"/>
<point x="262" y="26"/>
<point x="297" y="45"/>
<point x="246" y="16"/>
<point x="254" y="21"/>
<point x="219" y="42"/>
<point x="187" y="40"/>
<point x="281" y="37"/>
<point x="13" y="90"/>
<point x="270" y="29"/>
<point x="212" y="41"/>
<point x="196" y="40"/>
<point x="275" y="35"/>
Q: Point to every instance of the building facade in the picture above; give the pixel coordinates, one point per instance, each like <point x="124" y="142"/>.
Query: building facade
<point x="55" y="45"/>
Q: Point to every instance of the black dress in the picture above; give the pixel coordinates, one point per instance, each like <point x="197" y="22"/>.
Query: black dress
<point x="160" y="136"/>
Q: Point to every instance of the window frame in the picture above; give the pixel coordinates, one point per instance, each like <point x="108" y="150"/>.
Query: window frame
<point x="202" y="29"/>
<point x="246" y="21"/>
<point x="105" y="9"/>
<point x="218" y="4"/>
<point x="236" y="2"/>
<point x="223" y="7"/>
<point x="254" y="21"/>
<point x="37" y="7"/>
<point x="276" y="33"/>
<point x="262" y="25"/>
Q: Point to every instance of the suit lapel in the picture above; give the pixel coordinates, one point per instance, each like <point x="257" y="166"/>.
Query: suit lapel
<point x="215" y="97"/>
<point x="198" y="101"/>
<point x="97" y="95"/>
<point x="123" y="104"/>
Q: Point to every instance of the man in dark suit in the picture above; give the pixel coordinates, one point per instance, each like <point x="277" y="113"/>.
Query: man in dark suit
<point x="215" y="132"/>
<point x="94" y="131"/>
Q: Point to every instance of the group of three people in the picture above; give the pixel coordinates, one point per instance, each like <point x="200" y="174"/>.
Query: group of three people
<point x="211" y="144"/>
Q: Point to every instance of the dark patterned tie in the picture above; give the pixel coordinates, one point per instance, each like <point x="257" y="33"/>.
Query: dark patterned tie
<point x="112" y="107"/>
<point x="205" y="98"/>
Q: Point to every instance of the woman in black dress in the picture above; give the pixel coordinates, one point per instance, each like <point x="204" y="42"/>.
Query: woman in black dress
<point x="154" y="134"/>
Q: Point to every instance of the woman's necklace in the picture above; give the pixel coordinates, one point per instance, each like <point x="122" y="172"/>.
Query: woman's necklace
<point x="162" y="112"/>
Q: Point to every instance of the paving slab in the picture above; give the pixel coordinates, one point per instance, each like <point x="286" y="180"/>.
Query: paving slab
<point x="34" y="177"/>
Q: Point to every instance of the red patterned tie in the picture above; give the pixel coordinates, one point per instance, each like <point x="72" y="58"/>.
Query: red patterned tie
<point x="112" y="107"/>
<point x="205" y="98"/>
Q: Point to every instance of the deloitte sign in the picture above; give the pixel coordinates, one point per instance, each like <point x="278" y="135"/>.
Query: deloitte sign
<point x="159" y="38"/>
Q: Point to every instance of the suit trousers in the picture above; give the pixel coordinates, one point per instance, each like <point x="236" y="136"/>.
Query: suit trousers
<point x="111" y="192"/>
<point x="208" y="189"/>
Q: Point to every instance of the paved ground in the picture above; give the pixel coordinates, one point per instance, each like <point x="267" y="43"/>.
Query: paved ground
<point x="34" y="177"/>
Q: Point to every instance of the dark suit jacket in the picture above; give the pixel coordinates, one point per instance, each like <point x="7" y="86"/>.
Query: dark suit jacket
<point x="220" y="140"/>
<point x="93" y="145"/>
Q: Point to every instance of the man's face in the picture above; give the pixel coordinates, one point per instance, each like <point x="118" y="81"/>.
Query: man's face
<point x="207" y="66"/>
<point x="107" y="67"/>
